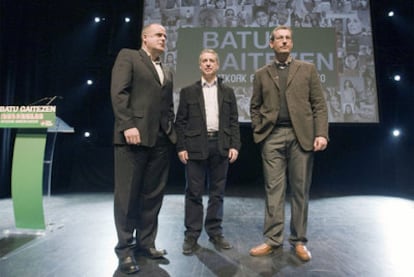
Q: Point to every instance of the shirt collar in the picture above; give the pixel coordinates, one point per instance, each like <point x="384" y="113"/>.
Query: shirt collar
<point x="285" y="64"/>
<point x="204" y="83"/>
<point x="156" y="61"/>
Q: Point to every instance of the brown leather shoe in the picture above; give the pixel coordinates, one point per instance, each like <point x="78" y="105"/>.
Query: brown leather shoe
<point x="302" y="252"/>
<point x="261" y="250"/>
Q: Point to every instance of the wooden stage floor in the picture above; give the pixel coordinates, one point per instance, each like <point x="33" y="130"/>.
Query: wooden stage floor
<point x="360" y="235"/>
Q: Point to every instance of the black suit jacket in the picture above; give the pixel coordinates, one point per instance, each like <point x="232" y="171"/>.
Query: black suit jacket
<point x="191" y="123"/>
<point x="139" y="99"/>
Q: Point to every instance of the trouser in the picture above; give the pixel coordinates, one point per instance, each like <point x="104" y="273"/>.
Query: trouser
<point x="284" y="162"/>
<point x="140" y="178"/>
<point x="214" y="168"/>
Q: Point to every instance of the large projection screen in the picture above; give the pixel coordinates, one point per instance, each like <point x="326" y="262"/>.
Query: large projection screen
<point x="335" y="35"/>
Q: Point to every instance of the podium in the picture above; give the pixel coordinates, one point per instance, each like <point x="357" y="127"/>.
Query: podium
<point x="32" y="124"/>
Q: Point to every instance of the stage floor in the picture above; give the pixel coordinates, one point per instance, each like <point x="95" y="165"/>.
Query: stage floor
<point x="348" y="236"/>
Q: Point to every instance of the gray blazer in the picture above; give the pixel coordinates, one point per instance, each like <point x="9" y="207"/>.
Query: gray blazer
<point x="191" y="123"/>
<point x="305" y="100"/>
<point x="139" y="99"/>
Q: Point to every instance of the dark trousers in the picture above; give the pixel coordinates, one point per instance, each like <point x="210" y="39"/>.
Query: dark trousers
<point x="284" y="162"/>
<point x="212" y="173"/>
<point x="140" y="177"/>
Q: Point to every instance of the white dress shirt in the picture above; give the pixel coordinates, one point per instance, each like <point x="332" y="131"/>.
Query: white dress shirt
<point x="158" y="67"/>
<point x="157" y="64"/>
<point x="211" y="104"/>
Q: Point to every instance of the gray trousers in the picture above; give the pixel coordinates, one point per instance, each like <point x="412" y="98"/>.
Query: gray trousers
<point x="285" y="163"/>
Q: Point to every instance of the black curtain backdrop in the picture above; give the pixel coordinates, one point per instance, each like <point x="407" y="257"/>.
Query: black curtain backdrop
<point x="52" y="47"/>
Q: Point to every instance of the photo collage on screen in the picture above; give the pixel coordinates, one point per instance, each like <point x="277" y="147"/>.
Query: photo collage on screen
<point x="354" y="99"/>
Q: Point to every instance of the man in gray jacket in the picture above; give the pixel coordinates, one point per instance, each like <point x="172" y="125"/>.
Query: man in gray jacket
<point x="290" y="122"/>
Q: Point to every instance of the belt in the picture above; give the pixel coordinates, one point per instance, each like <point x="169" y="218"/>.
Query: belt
<point x="212" y="134"/>
<point x="284" y="124"/>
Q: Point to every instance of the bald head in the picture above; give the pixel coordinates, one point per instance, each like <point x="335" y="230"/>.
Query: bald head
<point x="153" y="38"/>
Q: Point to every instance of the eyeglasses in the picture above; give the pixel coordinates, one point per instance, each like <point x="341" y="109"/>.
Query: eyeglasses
<point x="283" y="38"/>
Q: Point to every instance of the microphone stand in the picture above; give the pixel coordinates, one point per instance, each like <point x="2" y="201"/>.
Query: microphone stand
<point x="52" y="99"/>
<point x="37" y="102"/>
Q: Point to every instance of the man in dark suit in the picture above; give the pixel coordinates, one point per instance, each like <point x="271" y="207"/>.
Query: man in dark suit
<point x="208" y="140"/>
<point x="141" y="93"/>
<point x="290" y="122"/>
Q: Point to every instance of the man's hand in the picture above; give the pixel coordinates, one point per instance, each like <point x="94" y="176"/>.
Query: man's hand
<point x="183" y="156"/>
<point x="132" y="136"/>
<point x="320" y="144"/>
<point x="233" y="154"/>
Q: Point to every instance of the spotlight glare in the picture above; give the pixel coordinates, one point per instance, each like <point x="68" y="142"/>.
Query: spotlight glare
<point x="89" y="82"/>
<point x="86" y="134"/>
<point x="397" y="78"/>
<point x="396" y="133"/>
<point x="127" y="19"/>
<point x="97" y="19"/>
<point x="390" y="13"/>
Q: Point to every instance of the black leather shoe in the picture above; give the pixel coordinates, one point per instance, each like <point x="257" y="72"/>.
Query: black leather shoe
<point x="154" y="253"/>
<point x="220" y="242"/>
<point x="190" y="245"/>
<point x="128" y="265"/>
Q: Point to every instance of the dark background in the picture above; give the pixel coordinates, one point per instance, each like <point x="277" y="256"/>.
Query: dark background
<point x="52" y="47"/>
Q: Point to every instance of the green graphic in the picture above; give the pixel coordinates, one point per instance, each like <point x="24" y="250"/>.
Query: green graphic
<point x="27" y="176"/>
<point x="27" y="116"/>
<point x="242" y="51"/>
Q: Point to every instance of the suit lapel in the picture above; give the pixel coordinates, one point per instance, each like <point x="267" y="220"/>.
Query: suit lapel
<point x="147" y="61"/>
<point x="272" y="71"/>
<point x="220" y="97"/>
<point x="293" y="69"/>
<point x="201" y="101"/>
<point x="166" y="75"/>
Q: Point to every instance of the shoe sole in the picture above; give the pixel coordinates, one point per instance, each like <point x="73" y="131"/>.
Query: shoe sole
<point x="302" y="258"/>
<point x="262" y="255"/>
<point x="191" y="252"/>
<point x="273" y="250"/>
<point x="188" y="253"/>
<point x="217" y="245"/>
